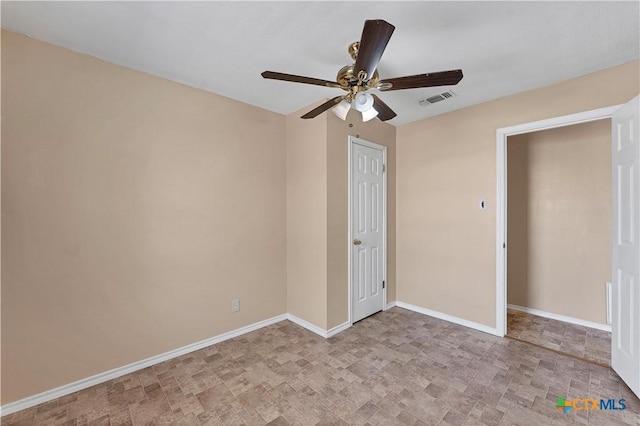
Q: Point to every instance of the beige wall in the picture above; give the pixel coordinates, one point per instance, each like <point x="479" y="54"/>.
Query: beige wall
<point x="446" y="164"/>
<point x="307" y="217"/>
<point x="338" y="225"/>
<point x="134" y="210"/>
<point x="317" y="213"/>
<point x="559" y="220"/>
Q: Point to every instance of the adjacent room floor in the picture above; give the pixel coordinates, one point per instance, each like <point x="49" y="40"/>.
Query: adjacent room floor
<point x="394" y="368"/>
<point x="575" y="340"/>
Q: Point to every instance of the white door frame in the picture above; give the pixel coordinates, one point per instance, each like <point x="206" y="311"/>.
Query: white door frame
<point x="501" y="200"/>
<point x="354" y="140"/>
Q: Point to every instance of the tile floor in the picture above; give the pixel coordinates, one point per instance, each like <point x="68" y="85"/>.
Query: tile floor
<point x="394" y="368"/>
<point x="582" y="342"/>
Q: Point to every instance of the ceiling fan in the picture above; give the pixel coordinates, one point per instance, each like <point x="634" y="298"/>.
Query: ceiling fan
<point x="360" y="77"/>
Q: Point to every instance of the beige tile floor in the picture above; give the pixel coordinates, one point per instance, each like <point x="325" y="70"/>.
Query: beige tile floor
<point x="575" y="340"/>
<point x="394" y="368"/>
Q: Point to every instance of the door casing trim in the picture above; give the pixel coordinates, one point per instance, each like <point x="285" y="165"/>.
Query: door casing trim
<point x="501" y="194"/>
<point x="355" y="140"/>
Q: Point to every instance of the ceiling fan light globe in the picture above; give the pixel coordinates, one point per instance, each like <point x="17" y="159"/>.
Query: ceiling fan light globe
<point x="342" y="109"/>
<point x="363" y="102"/>
<point x="369" y="114"/>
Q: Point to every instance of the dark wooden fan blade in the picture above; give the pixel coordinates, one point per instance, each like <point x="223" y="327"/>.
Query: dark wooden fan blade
<point x="443" y="78"/>
<point x="384" y="112"/>
<point x="322" y="108"/>
<point x="375" y="36"/>
<point x="298" y="79"/>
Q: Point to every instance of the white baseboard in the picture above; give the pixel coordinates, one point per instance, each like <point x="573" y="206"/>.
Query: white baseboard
<point x="49" y="395"/>
<point x="58" y="392"/>
<point x="338" y="328"/>
<point x="564" y="318"/>
<point x="326" y="333"/>
<point x="306" y="324"/>
<point x="318" y="330"/>
<point x="450" y="318"/>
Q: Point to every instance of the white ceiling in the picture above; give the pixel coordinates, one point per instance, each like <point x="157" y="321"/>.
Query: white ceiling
<point x="502" y="47"/>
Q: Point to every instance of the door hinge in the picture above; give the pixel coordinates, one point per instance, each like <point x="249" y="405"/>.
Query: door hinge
<point x="384" y="168"/>
<point x="382" y="284"/>
<point x="504" y="245"/>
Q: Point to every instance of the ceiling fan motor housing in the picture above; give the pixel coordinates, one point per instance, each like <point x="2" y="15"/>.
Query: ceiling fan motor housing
<point x="348" y="80"/>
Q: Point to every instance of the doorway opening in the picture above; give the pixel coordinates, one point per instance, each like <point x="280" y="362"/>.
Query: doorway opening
<point x="559" y="239"/>
<point x="502" y="136"/>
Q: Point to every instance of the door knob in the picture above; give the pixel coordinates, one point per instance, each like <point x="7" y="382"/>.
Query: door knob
<point x="357" y="242"/>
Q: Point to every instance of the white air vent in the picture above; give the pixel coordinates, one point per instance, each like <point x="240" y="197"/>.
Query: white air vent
<point x="437" y="98"/>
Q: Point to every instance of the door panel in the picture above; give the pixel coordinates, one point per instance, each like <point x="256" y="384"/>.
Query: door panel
<point x="367" y="211"/>
<point x="362" y="201"/>
<point x="362" y="275"/>
<point x="625" y="157"/>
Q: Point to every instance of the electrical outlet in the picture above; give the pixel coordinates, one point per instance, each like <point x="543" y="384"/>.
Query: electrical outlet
<point x="235" y="305"/>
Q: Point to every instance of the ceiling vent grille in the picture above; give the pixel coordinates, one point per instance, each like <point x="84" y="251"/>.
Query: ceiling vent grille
<point x="437" y="98"/>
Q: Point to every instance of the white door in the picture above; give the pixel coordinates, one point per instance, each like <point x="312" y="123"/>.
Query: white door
<point x="367" y="229"/>
<point x="625" y="166"/>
